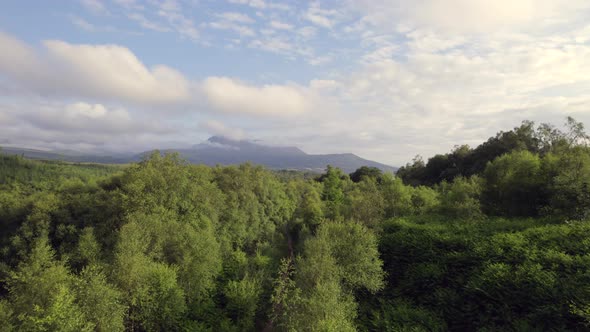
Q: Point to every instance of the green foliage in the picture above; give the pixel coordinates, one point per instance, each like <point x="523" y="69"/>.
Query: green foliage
<point x="42" y="175"/>
<point x="365" y="203"/>
<point x="568" y="183"/>
<point x="6" y="317"/>
<point x="424" y="200"/>
<point x="242" y="298"/>
<point x="495" y="274"/>
<point x="366" y="172"/>
<point x="166" y="245"/>
<point x="100" y="301"/>
<point x="513" y="184"/>
<point x="333" y="195"/>
<point x="463" y="161"/>
<point x="461" y="198"/>
<point x="397" y="196"/>
<point x="342" y="258"/>
<point x="400" y="316"/>
<point x="42" y="295"/>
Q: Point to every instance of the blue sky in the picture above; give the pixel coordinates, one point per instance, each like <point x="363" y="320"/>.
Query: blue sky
<point x="385" y="79"/>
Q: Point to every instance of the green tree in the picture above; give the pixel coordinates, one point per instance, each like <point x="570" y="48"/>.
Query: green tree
<point x="100" y="301"/>
<point x="424" y="200"/>
<point x="365" y="203"/>
<point x="567" y="177"/>
<point x="461" y="198"/>
<point x="366" y="172"/>
<point x="151" y="291"/>
<point x="42" y="295"/>
<point x="513" y="184"/>
<point x="332" y="194"/>
<point x="397" y="197"/>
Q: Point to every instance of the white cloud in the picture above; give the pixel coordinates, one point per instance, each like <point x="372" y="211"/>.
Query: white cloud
<point x="323" y="84"/>
<point x="110" y="70"/>
<point x="217" y="128"/>
<point x="97" y="71"/>
<point x="274" y="45"/>
<point x="80" y="22"/>
<point x="227" y="25"/>
<point x="319" y="60"/>
<point x="236" y="22"/>
<point x="280" y="25"/>
<point x="383" y="53"/>
<point x="320" y="17"/>
<point x="470" y="16"/>
<point x="82" y="116"/>
<point x="307" y="32"/>
<point x="148" y="24"/>
<point x="236" y="17"/>
<point x="129" y="4"/>
<point x="174" y="14"/>
<point x="36" y="123"/>
<point x="95" y="6"/>
<point x="261" y="4"/>
<point x="228" y="95"/>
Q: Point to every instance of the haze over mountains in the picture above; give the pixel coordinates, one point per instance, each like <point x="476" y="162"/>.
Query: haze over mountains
<point x="225" y="151"/>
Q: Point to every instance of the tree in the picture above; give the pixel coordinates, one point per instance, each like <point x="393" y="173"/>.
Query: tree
<point x="332" y="194"/>
<point x="576" y="134"/>
<point x="155" y="300"/>
<point x="461" y="198"/>
<point x="366" y="171"/>
<point x="397" y="197"/>
<point x="424" y="200"/>
<point x="567" y="178"/>
<point x="365" y="203"/>
<point x="42" y="295"/>
<point x="340" y="260"/>
<point x="100" y="301"/>
<point x="513" y="185"/>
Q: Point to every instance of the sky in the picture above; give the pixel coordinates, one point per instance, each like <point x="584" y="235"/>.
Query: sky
<point x="384" y="79"/>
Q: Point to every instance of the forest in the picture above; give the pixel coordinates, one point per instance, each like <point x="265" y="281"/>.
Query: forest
<point x="491" y="238"/>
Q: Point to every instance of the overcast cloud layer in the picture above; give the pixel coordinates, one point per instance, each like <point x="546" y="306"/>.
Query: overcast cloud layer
<point x="384" y="79"/>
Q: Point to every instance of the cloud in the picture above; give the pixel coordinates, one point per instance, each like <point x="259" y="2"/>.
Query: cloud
<point x="84" y="117"/>
<point x="280" y="25"/>
<point x="234" y="21"/>
<point x="80" y="22"/>
<point x="273" y="44"/>
<point x="469" y="16"/>
<point x="97" y="71"/>
<point x="260" y="4"/>
<point x="319" y="60"/>
<point x="217" y="128"/>
<point x="307" y="32"/>
<point x="325" y="18"/>
<point x="112" y="73"/>
<point x="235" y="17"/>
<point x="231" y="96"/>
<point x="95" y="6"/>
<point x="130" y="4"/>
<point x="148" y="24"/>
<point x="228" y="25"/>
<point x="173" y="12"/>
<point x="81" y="126"/>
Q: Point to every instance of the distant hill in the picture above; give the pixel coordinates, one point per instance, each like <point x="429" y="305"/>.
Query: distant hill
<point x="71" y="156"/>
<point x="224" y="151"/>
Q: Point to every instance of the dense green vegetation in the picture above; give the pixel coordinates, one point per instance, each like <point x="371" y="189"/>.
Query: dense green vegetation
<point x="494" y="238"/>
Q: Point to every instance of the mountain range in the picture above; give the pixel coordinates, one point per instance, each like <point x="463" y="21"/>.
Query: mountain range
<point x="224" y="151"/>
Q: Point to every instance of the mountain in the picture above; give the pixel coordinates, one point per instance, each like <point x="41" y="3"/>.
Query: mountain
<point x="70" y="156"/>
<point x="225" y="151"/>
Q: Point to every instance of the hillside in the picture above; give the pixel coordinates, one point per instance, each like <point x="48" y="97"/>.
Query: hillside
<point x="224" y="151"/>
